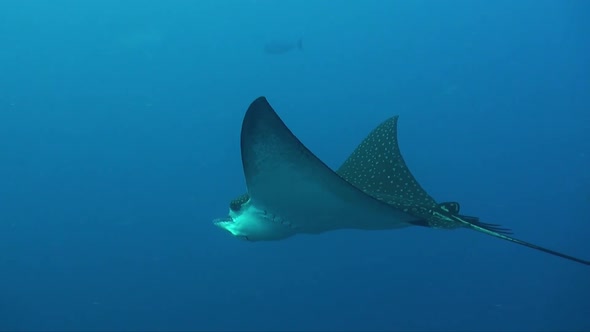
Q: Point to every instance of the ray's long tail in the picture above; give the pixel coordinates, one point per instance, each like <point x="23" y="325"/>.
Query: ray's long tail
<point x="503" y="233"/>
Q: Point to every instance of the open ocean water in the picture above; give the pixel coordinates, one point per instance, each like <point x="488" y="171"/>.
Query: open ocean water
<point x="120" y="143"/>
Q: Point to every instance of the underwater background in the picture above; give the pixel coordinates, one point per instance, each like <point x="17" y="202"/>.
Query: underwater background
<point x="119" y="144"/>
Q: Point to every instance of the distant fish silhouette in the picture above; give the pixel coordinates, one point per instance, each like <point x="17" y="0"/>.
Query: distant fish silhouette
<point x="282" y="47"/>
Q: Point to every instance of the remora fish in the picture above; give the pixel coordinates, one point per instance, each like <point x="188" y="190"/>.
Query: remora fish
<point x="291" y="191"/>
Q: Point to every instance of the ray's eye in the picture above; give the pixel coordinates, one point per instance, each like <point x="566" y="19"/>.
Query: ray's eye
<point x="236" y="204"/>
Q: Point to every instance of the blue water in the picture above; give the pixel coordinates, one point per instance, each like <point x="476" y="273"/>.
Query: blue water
<point x="119" y="143"/>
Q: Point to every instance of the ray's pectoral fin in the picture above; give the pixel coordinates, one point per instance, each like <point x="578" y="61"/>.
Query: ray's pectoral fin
<point x="287" y="184"/>
<point x="485" y="228"/>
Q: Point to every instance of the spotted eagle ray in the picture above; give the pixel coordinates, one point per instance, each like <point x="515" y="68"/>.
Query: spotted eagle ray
<point x="291" y="191"/>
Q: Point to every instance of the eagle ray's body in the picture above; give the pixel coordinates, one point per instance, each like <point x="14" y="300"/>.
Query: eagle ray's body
<point x="291" y="191"/>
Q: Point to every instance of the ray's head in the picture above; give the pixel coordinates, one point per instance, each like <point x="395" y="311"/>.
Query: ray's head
<point x="246" y="221"/>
